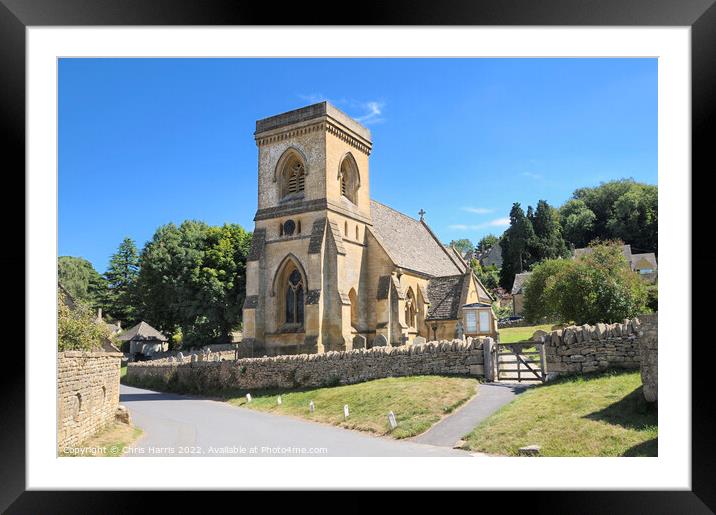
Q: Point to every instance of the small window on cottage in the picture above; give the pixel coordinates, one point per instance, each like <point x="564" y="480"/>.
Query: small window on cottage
<point x="470" y="322"/>
<point x="484" y="321"/>
<point x="345" y="229"/>
<point x="357" y="233"/>
<point x="298" y="227"/>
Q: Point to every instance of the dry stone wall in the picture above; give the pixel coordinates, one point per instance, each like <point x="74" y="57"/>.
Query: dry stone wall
<point x="455" y="357"/>
<point x="587" y="348"/>
<point x="87" y="394"/>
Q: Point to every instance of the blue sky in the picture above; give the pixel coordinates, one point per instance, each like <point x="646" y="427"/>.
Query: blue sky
<point x="144" y="142"/>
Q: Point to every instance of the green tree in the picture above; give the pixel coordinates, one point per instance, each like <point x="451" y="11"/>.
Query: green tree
<point x="623" y="209"/>
<point x="463" y="245"/>
<point x="487" y="242"/>
<point x="76" y="328"/>
<point x="542" y="295"/>
<point x="597" y="287"/>
<point x="577" y="222"/>
<point x="547" y="242"/>
<point x="193" y="280"/>
<point x="489" y="276"/>
<point x="81" y="280"/>
<point x="515" y="245"/>
<point x="121" y="275"/>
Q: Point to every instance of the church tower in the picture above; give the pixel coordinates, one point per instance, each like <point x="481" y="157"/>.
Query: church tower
<point x="305" y="268"/>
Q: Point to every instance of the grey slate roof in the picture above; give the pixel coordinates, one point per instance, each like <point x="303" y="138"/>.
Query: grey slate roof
<point x="142" y="331"/>
<point x="519" y="282"/>
<point x="492" y="256"/>
<point x="410" y="244"/>
<point x="649" y="257"/>
<point x="626" y="250"/>
<point x="445" y="294"/>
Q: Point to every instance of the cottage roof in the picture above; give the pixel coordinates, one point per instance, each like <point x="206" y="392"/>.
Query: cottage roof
<point x="142" y="331"/>
<point x="69" y="301"/>
<point x="445" y="294"/>
<point x="626" y="250"/>
<point x="411" y="244"/>
<point x="492" y="256"/>
<point x="639" y="260"/>
<point x="519" y="282"/>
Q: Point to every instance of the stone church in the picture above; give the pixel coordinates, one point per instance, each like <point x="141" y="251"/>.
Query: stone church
<point x="330" y="268"/>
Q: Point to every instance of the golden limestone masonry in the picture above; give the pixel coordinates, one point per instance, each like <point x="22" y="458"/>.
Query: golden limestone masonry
<point x="88" y="394"/>
<point x="330" y="269"/>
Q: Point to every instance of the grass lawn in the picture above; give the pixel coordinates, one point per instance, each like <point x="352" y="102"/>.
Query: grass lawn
<point x="598" y="415"/>
<point x="518" y="334"/>
<point x="417" y="401"/>
<point x="107" y="443"/>
<point x="122" y="372"/>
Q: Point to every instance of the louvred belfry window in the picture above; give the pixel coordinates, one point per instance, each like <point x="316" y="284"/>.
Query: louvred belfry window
<point x="296" y="178"/>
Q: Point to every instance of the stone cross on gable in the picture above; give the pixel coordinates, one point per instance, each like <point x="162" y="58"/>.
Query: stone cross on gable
<point x="421" y="213"/>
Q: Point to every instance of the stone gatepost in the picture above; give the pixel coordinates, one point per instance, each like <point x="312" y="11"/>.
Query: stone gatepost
<point x="489" y="350"/>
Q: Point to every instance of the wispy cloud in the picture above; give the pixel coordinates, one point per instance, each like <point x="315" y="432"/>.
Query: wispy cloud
<point x="366" y="112"/>
<point x="374" y="113"/>
<point x="478" y="210"/>
<point x="532" y="175"/>
<point x="497" y="222"/>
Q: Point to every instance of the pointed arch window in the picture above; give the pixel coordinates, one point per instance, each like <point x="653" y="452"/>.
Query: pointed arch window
<point x="410" y="309"/>
<point x="294" y="299"/>
<point x="348" y="177"/>
<point x="293" y="177"/>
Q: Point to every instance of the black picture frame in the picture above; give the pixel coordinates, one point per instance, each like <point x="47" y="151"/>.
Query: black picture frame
<point x="700" y="15"/>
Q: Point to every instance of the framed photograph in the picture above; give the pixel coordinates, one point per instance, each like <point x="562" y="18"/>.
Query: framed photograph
<point x="415" y="250"/>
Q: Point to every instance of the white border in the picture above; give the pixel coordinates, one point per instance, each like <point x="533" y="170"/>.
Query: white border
<point x="671" y="470"/>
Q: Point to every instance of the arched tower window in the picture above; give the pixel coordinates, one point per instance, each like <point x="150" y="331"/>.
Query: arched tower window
<point x="410" y="309"/>
<point x="293" y="177"/>
<point x="349" y="178"/>
<point x="294" y="299"/>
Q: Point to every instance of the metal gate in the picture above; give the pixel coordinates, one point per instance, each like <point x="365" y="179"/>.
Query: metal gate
<point x="521" y="361"/>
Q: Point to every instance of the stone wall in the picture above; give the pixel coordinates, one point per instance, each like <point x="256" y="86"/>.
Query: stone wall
<point x="455" y="357"/>
<point x="87" y="394"/>
<point x="583" y="349"/>
<point x="648" y="352"/>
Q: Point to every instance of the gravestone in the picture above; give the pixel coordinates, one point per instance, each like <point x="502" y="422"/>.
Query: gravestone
<point x="311" y="407"/>
<point x="459" y="332"/>
<point x="359" y="341"/>
<point x="380" y="341"/>
<point x="392" y="421"/>
<point x="346" y="413"/>
<point x="180" y="357"/>
<point x="248" y="397"/>
<point x="419" y="340"/>
<point x="278" y="400"/>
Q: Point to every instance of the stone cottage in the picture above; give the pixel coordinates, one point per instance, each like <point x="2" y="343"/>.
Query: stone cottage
<point x="329" y="268"/>
<point x="144" y="339"/>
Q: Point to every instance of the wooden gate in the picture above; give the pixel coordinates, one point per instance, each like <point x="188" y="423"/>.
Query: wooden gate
<point x="521" y="361"/>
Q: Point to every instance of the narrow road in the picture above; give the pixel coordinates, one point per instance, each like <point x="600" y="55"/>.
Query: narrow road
<point x="490" y="397"/>
<point x="177" y="425"/>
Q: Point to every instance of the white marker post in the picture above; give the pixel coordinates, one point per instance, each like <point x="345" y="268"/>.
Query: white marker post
<point x="345" y="411"/>
<point x="391" y="420"/>
<point x="248" y="397"/>
<point x="311" y="407"/>
<point x="278" y="400"/>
